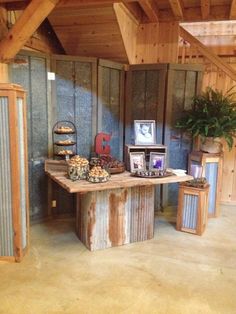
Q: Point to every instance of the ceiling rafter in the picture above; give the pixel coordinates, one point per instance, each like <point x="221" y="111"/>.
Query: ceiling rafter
<point x="205" y="8"/>
<point x="232" y="14"/>
<point x="177" y="9"/>
<point x="25" y="26"/>
<point x="135" y="10"/>
<point x="150" y="9"/>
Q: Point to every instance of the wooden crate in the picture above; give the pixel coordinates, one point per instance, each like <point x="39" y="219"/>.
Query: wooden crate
<point x="192" y="209"/>
<point x="14" y="204"/>
<point x="158" y="148"/>
<point x="212" y="165"/>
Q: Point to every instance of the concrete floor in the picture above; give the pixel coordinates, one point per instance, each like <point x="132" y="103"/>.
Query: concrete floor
<point x="175" y="273"/>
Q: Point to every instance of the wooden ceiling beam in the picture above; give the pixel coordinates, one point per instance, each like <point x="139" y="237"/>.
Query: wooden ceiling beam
<point x="16" y="5"/>
<point x="3" y="22"/>
<point x="205" y="9"/>
<point x="177" y="9"/>
<point x="25" y="26"/>
<point x="150" y="9"/>
<point x="232" y="14"/>
<point x="81" y="3"/>
<point x="205" y="51"/>
<point x="135" y="10"/>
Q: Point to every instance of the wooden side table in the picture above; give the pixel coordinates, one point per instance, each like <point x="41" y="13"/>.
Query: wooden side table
<point x="212" y="165"/>
<point x="192" y="209"/>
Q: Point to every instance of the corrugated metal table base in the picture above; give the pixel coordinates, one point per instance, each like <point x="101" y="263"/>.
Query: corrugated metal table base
<point x="192" y="209"/>
<point x="115" y="217"/>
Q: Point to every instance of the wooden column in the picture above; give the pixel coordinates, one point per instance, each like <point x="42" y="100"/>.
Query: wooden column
<point x="14" y="204"/>
<point x="4" y="73"/>
<point x="212" y="165"/>
<point x="115" y="217"/>
<point x="3" y="32"/>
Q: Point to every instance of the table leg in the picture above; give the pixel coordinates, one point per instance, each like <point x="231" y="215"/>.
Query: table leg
<point x="115" y="217"/>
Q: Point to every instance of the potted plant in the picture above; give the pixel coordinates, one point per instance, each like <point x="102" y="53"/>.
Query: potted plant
<point x="212" y="116"/>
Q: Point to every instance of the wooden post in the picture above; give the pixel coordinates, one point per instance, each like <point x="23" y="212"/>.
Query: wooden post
<point x="4" y="73"/>
<point x="3" y="32"/>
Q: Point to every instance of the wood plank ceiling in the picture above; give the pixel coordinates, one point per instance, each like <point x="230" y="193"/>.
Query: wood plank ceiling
<point x="90" y="27"/>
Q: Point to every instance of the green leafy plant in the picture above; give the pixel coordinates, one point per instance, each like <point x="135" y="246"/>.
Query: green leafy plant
<point x="212" y="114"/>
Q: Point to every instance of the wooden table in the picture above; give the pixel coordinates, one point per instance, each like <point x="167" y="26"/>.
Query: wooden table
<point x="113" y="213"/>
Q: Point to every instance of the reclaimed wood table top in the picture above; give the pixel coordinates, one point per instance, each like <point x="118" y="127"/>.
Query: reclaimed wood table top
<point x="122" y="180"/>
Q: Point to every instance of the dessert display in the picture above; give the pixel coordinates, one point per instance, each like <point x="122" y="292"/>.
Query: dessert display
<point x="64" y="152"/>
<point x="64" y="134"/>
<point x="108" y="162"/>
<point x="151" y="173"/>
<point x="78" y="168"/>
<point x="65" y="142"/>
<point x="64" y="129"/>
<point x="98" y="175"/>
<point x="199" y="183"/>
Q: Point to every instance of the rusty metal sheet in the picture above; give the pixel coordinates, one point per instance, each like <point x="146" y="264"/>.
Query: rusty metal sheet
<point x="115" y="217"/>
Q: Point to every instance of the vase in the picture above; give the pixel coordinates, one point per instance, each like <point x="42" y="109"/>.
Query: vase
<point x="211" y="145"/>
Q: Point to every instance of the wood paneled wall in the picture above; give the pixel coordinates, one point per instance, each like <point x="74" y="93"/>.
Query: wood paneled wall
<point x="157" y="43"/>
<point x="150" y="42"/>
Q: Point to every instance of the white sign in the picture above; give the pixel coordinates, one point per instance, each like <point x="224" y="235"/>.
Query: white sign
<point x="51" y="76"/>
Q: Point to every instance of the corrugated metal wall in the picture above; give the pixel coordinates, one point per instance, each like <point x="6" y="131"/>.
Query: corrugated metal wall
<point x="6" y="223"/>
<point x="30" y="71"/>
<point x="110" y="106"/>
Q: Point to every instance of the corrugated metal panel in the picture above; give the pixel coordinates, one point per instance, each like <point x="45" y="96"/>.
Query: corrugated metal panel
<point x="30" y="72"/>
<point x="115" y="217"/>
<point x="211" y="174"/>
<point x="20" y="123"/>
<point x="189" y="219"/>
<point x="83" y="105"/>
<point x="6" y="223"/>
<point x="110" y="108"/>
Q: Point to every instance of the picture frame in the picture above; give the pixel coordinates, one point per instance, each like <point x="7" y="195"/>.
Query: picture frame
<point x="137" y="161"/>
<point x="157" y="161"/>
<point x="144" y="132"/>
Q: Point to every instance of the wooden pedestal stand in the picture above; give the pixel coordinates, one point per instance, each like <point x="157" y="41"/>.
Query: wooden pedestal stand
<point x="212" y="165"/>
<point x="192" y="209"/>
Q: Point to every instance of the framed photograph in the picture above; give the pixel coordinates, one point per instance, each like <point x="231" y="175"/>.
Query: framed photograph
<point x="137" y="161"/>
<point x="144" y="132"/>
<point x="157" y="161"/>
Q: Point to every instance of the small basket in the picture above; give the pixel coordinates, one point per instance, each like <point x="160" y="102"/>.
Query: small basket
<point x="77" y="172"/>
<point x="97" y="179"/>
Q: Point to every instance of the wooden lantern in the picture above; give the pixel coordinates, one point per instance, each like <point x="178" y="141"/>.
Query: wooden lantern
<point x="14" y="205"/>
<point x="212" y="165"/>
<point x="192" y="209"/>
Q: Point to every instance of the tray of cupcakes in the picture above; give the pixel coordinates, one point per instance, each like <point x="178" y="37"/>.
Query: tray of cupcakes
<point x="111" y="164"/>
